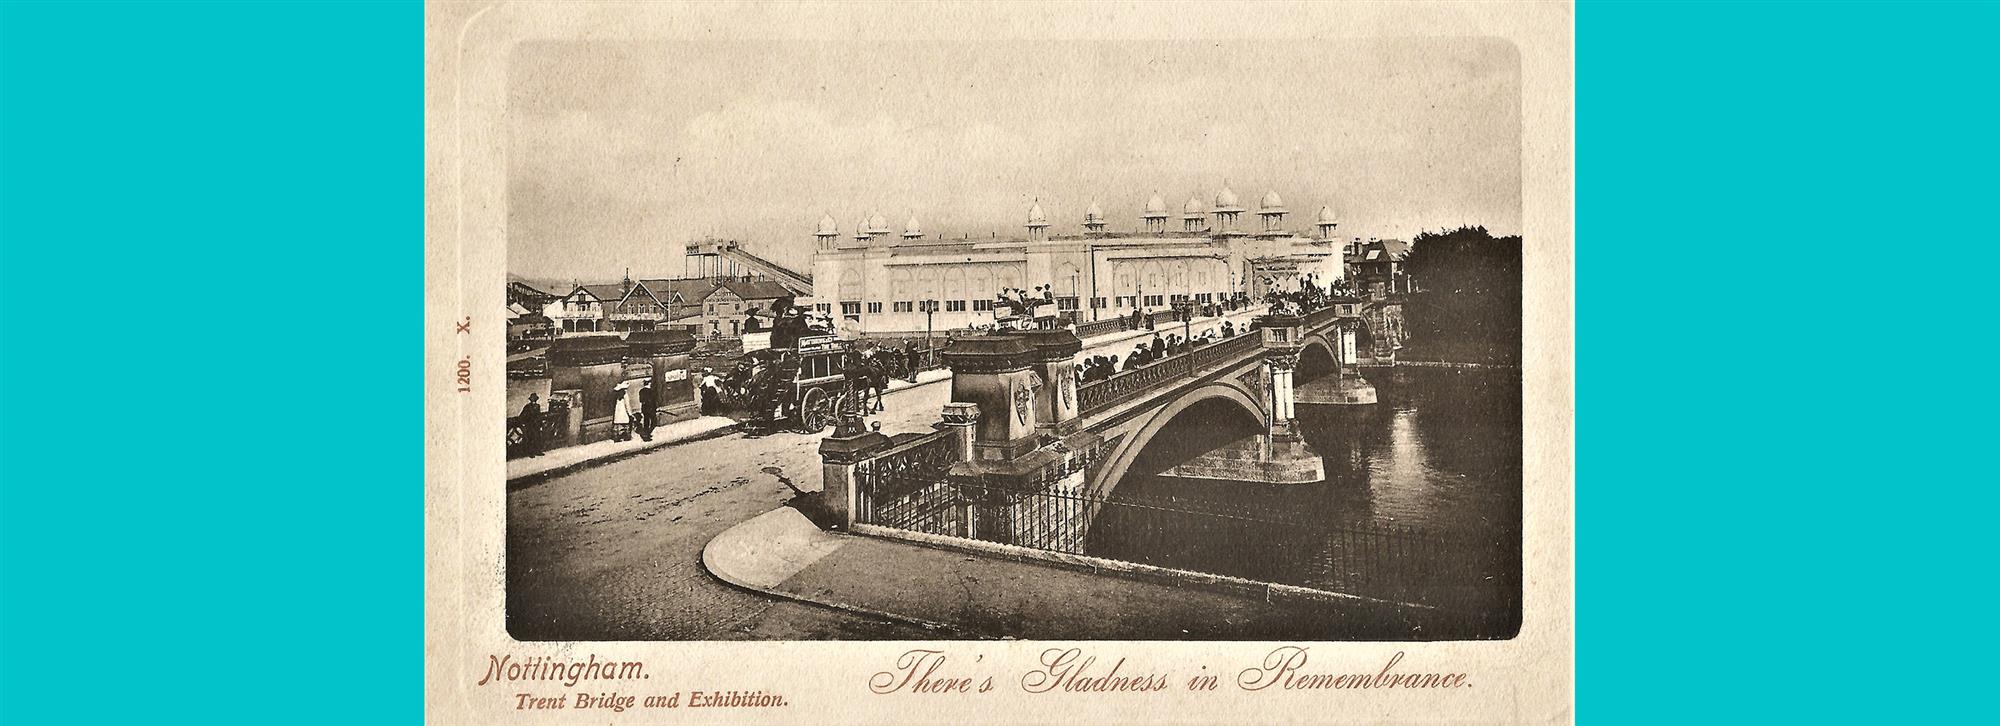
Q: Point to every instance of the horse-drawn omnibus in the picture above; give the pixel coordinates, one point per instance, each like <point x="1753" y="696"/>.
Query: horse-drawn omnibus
<point x="803" y="388"/>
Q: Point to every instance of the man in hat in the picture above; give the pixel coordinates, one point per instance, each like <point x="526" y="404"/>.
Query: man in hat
<point x="648" y="403"/>
<point x="531" y="426"/>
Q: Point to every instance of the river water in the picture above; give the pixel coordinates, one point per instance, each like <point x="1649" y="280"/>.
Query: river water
<point x="1421" y="502"/>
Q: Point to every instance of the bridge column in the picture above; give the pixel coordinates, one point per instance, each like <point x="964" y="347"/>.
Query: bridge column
<point x="839" y="455"/>
<point x="1056" y="406"/>
<point x="1284" y="337"/>
<point x="996" y="372"/>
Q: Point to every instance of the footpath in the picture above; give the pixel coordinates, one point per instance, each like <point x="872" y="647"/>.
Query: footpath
<point x="963" y="595"/>
<point x="555" y="462"/>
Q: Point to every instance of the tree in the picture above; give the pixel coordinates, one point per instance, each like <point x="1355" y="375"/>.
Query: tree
<point x="1470" y="304"/>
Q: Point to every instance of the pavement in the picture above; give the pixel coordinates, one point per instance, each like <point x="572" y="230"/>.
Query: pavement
<point x="956" y="593"/>
<point x="570" y="458"/>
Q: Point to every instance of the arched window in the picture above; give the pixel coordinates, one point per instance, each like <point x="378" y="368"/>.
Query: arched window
<point x="850" y="285"/>
<point x="953" y="286"/>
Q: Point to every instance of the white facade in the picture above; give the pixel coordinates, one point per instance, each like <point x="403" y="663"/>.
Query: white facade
<point x="875" y="283"/>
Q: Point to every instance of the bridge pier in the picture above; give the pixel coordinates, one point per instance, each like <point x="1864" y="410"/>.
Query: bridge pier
<point x="1346" y="387"/>
<point x="1021" y="479"/>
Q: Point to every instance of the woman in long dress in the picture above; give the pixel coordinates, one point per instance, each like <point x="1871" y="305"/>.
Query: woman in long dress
<point x="621" y="416"/>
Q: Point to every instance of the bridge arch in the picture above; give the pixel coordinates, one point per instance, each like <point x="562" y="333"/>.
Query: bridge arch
<point x="1319" y="357"/>
<point x="1231" y="389"/>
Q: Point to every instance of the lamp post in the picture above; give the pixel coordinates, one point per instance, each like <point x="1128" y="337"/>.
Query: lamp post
<point x="1075" y="294"/>
<point x="1186" y="309"/>
<point x="930" y="350"/>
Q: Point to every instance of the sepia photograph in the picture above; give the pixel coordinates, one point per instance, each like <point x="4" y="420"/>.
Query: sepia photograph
<point x="1013" y="339"/>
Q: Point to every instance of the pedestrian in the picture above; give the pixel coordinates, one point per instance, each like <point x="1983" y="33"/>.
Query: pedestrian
<point x="531" y="426"/>
<point x="1159" y="346"/>
<point x="621" y="416"/>
<point x="711" y="392"/>
<point x="649" y="404"/>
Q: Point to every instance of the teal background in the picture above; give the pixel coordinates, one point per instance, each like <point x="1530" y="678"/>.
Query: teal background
<point x="212" y="281"/>
<point x="1785" y="246"/>
<point x="1783" y="302"/>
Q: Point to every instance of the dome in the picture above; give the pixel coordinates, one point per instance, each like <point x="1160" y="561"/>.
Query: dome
<point x="1094" y="213"/>
<point x="1225" y="199"/>
<point x="1036" y="216"/>
<point x="878" y="224"/>
<point x="912" y="229"/>
<point x="1156" y="205"/>
<point x="1193" y="207"/>
<point x="1272" y="202"/>
<point x="1326" y="215"/>
<point x="827" y="225"/>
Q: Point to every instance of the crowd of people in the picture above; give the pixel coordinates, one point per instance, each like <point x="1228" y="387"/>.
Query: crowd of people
<point x="1099" y="367"/>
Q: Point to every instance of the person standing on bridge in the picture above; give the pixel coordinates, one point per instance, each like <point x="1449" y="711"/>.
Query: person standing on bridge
<point x="621" y="415"/>
<point x="531" y="426"/>
<point x="1159" y="347"/>
<point x="648" y="403"/>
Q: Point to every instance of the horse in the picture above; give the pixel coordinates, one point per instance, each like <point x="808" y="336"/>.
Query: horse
<point x="867" y="377"/>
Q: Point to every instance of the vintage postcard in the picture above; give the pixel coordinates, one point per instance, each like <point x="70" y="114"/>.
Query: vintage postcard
<point x="1009" y="363"/>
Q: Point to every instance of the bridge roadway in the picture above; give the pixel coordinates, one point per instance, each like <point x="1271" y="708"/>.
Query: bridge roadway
<point x="612" y="552"/>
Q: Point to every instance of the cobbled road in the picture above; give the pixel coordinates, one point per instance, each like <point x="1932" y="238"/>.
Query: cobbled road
<point x="613" y="552"/>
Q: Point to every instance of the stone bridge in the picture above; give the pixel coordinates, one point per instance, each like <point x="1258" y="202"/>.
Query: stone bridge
<point x="1019" y="425"/>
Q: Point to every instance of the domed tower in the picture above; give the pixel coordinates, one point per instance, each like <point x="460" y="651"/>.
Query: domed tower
<point x="911" y="230"/>
<point x="1326" y="224"/>
<point x="878" y="225"/>
<point x="1156" y="215"/>
<point x="1226" y="209"/>
<point x="1272" y="211"/>
<point x="828" y="233"/>
<point x="1093" y="219"/>
<point x="1193" y="217"/>
<point x="861" y="230"/>
<point x="1038" y="223"/>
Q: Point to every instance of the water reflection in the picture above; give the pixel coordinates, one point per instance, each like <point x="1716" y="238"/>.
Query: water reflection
<point x="1439" y="456"/>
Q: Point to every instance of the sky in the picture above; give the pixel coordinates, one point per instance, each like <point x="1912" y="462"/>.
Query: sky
<point x="621" y="152"/>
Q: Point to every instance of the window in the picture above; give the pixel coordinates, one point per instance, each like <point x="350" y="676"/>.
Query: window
<point x="1066" y="303"/>
<point x="824" y="307"/>
<point x="1155" y="300"/>
<point x="954" y="306"/>
<point x="905" y="306"/>
<point x="874" y="308"/>
<point x="1097" y="302"/>
<point x="982" y="305"/>
<point x="1205" y="298"/>
<point x="850" y="308"/>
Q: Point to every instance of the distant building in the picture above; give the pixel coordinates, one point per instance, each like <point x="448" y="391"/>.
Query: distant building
<point x="583" y="310"/>
<point x="873" y="283"/>
<point x="527" y="324"/>
<point x="1376" y="271"/>
<point x="717" y="306"/>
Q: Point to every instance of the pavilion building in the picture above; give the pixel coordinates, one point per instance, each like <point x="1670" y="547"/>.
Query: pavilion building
<point x="877" y="283"/>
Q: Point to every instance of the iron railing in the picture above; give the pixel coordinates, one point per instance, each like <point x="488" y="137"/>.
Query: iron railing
<point x="890" y="488"/>
<point x="1209" y="537"/>
<point x="1126" y="385"/>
